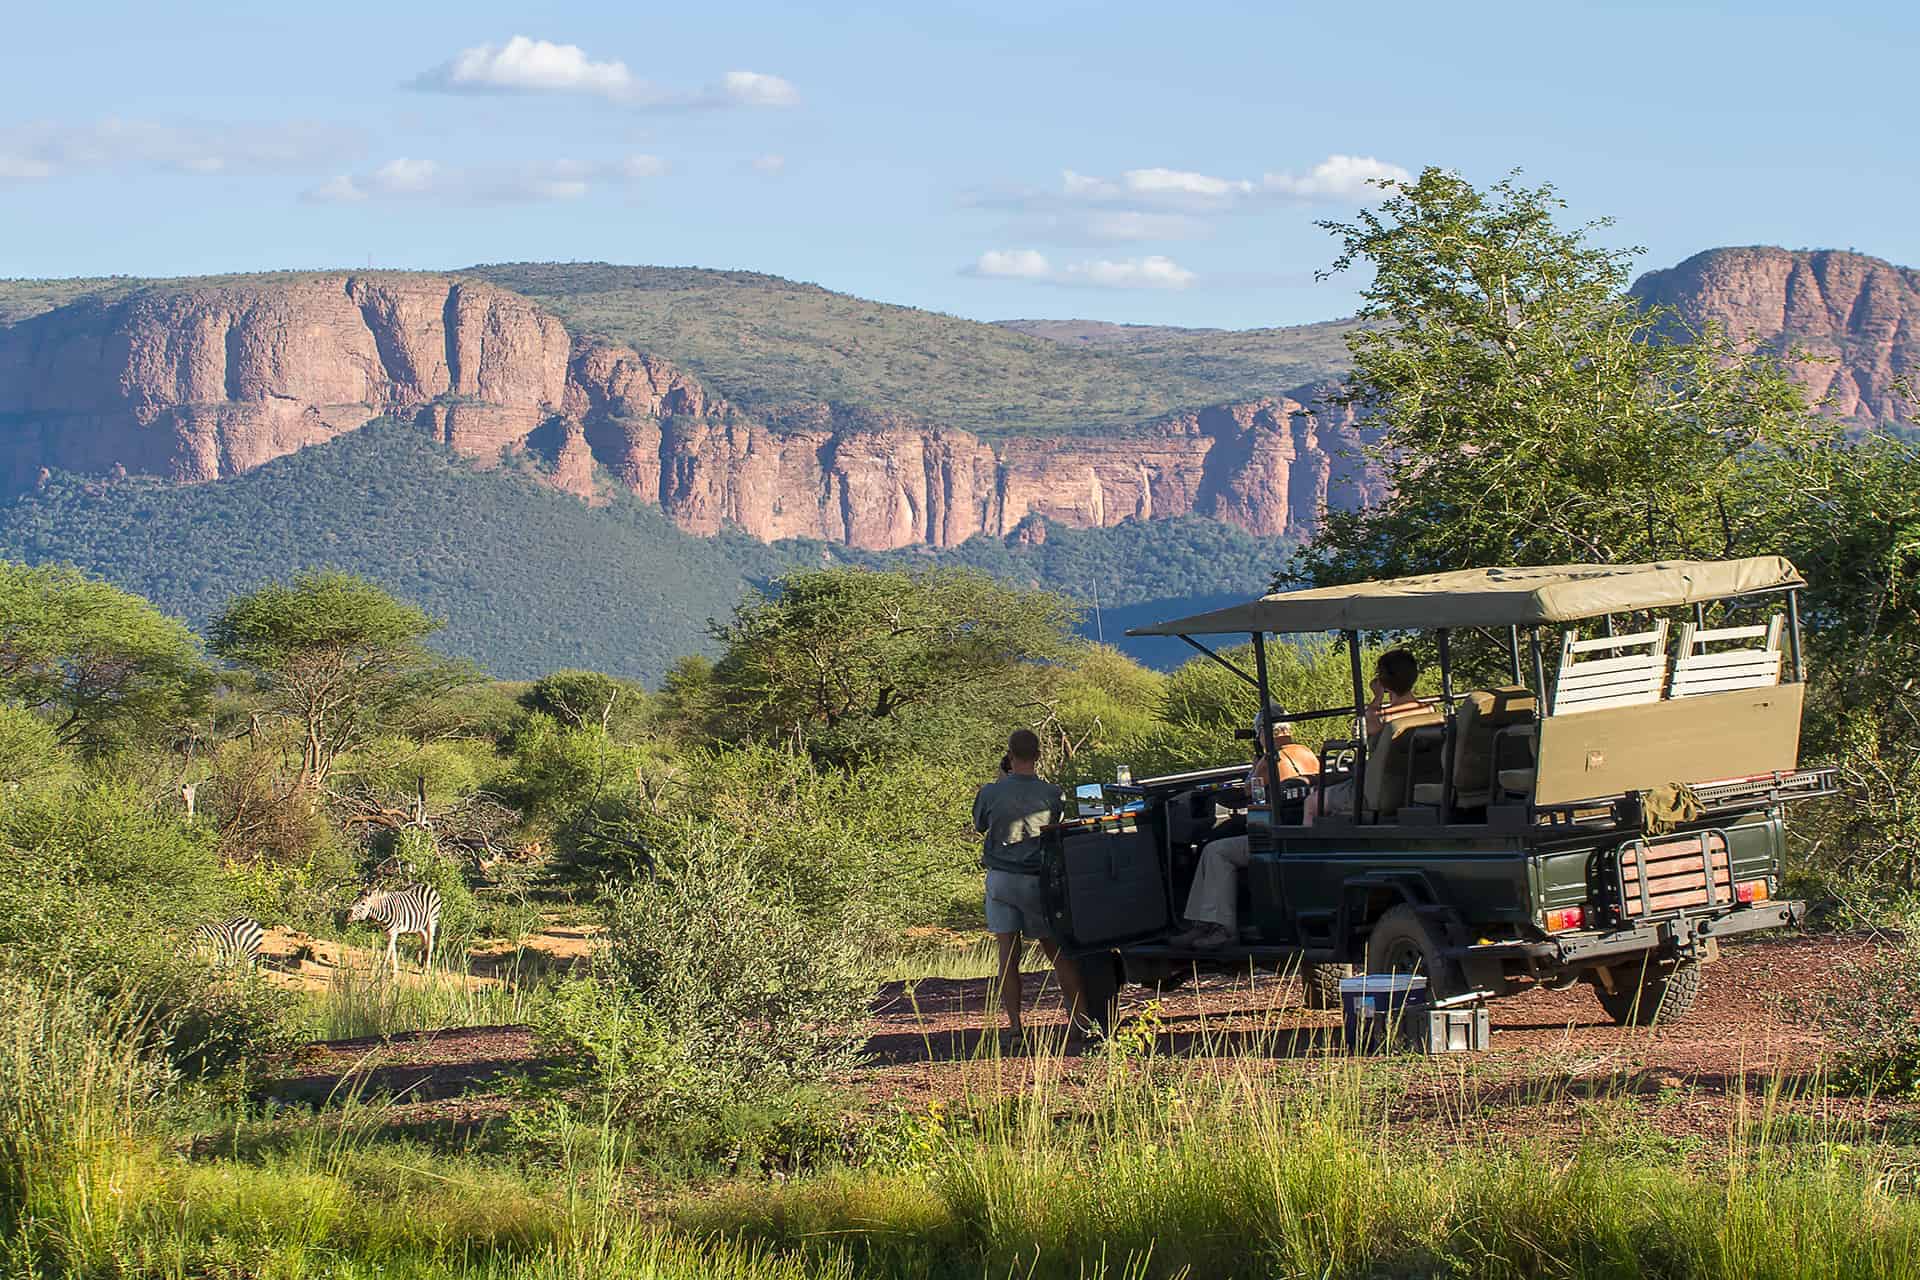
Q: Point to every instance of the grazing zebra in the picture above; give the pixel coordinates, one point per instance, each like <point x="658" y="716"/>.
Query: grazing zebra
<point x="414" y="908"/>
<point x="235" y="941"/>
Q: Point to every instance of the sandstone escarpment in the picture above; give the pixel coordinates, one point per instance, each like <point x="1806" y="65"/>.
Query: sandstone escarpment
<point x="194" y="384"/>
<point x="1857" y="318"/>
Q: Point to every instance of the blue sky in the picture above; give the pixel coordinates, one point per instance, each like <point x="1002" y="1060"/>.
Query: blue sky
<point x="1158" y="162"/>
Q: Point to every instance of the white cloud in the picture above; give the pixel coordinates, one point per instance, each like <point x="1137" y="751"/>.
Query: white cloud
<point x="38" y="152"/>
<point x="753" y="89"/>
<point x="526" y="65"/>
<point x="406" y="178"/>
<point x="1180" y="182"/>
<point x="1152" y="272"/>
<point x="1336" y="178"/>
<point x="769" y="164"/>
<point x="1013" y="264"/>
<point x="340" y="189"/>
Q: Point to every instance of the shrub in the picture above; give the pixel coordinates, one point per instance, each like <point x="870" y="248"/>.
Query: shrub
<point x="1870" y="1015"/>
<point x="96" y="885"/>
<point x="30" y="753"/>
<point x="713" y="990"/>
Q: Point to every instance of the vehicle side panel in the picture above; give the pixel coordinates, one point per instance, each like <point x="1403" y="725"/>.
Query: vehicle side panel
<point x="1622" y="749"/>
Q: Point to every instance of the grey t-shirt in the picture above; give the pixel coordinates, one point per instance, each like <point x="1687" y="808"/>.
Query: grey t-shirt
<point x="1014" y="808"/>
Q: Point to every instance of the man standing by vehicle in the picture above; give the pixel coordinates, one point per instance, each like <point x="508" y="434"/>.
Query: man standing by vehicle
<point x="1011" y="812"/>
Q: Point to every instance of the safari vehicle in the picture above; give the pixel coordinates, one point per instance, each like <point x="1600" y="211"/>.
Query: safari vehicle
<point x="1609" y="825"/>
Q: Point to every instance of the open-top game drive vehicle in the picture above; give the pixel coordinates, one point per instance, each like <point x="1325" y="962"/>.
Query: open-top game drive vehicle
<point x="1609" y="825"/>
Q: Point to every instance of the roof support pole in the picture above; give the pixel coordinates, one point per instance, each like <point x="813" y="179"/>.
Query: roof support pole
<point x="1360" y="716"/>
<point x="1513" y="653"/>
<point x="1260" y="676"/>
<point x="1222" y="661"/>
<point x="1446" y="730"/>
<point x="1539" y="667"/>
<point x="1445" y="639"/>
<point x="1793" y="636"/>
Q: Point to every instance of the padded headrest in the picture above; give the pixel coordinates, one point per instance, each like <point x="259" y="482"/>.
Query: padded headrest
<point x="1481" y="713"/>
<point x="1386" y="780"/>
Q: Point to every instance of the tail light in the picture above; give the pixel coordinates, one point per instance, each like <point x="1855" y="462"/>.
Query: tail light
<point x="1568" y="918"/>
<point x="1752" y="891"/>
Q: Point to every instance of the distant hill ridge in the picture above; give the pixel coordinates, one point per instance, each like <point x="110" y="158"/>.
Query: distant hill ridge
<point x="741" y="400"/>
<point x="204" y="380"/>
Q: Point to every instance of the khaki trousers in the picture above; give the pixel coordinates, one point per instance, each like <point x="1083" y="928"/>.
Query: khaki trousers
<point x="1215" y="896"/>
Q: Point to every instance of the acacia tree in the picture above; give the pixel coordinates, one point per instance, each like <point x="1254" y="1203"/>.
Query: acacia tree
<point x="840" y="662"/>
<point x="99" y="665"/>
<point x="1529" y="409"/>
<point x="337" y="657"/>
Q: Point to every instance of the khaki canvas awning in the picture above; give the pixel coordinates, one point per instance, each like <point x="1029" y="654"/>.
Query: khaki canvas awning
<point x="1525" y="596"/>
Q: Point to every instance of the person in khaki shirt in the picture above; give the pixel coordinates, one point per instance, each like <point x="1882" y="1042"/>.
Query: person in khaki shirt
<point x="1011" y="812"/>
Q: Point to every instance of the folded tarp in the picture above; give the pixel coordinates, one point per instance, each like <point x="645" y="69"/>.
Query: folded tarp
<point x="1525" y="596"/>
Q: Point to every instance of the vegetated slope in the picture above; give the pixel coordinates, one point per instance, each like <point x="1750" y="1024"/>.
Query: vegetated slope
<point x="767" y="343"/>
<point x="1288" y="356"/>
<point x="527" y="578"/>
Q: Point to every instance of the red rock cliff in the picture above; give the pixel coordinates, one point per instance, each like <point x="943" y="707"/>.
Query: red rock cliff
<point x="196" y="384"/>
<point x="1858" y="316"/>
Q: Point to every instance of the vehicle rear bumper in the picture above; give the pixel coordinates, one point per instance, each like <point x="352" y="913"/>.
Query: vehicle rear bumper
<point x="1677" y="935"/>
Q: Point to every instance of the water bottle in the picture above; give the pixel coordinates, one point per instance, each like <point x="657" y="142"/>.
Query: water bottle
<point x="1124" y="775"/>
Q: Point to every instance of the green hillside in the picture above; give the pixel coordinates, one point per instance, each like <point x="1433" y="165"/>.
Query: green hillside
<point x="765" y="342"/>
<point x="528" y="579"/>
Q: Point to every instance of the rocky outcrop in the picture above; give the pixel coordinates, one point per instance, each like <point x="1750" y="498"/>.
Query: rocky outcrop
<point x="194" y="384"/>
<point x="1857" y="318"/>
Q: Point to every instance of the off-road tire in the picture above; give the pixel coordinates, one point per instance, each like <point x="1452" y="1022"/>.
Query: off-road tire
<point x="1320" y="984"/>
<point x="1661" y="997"/>
<point x="1400" y="942"/>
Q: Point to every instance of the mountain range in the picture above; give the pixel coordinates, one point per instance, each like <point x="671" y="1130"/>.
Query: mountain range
<point x="744" y="407"/>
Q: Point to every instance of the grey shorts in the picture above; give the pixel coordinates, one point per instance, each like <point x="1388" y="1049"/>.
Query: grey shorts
<point x="1015" y="905"/>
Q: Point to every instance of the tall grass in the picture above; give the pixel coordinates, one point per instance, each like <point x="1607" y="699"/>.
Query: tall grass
<point x="1130" y="1170"/>
<point x="79" y="1080"/>
<point x="366" y="1000"/>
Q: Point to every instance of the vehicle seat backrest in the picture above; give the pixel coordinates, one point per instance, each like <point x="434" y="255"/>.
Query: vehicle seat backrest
<point x="1386" y="781"/>
<point x="1696" y="672"/>
<point x="1481" y="713"/>
<point x="1634" y="671"/>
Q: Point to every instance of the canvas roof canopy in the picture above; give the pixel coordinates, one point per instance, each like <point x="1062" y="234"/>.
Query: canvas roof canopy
<point x="1530" y="595"/>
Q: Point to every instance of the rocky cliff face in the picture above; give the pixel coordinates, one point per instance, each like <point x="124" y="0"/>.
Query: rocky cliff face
<point x="1858" y="317"/>
<point x="197" y="384"/>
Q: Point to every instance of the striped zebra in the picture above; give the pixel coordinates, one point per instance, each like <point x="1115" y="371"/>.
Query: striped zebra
<point x="414" y="908"/>
<point x="235" y="941"/>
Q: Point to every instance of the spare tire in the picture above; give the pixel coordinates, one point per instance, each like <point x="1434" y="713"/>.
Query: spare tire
<point x="1650" y="992"/>
<point x="1401" y="943"/>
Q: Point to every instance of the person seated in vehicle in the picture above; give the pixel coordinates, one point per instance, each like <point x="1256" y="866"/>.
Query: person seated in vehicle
<point x="1394" y="675"/>
<point x="1213" y="904"/>
<point x="1011" y="812"/>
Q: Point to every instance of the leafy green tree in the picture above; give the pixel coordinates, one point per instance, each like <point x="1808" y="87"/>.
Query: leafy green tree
<point x="1528" y="409"/>
<point x="579" y="699"/>
<point x="100" y="665"/>
<point x="1848" y="512"/>
<point x="843" y="662"/>
<point x="337" y="657"/>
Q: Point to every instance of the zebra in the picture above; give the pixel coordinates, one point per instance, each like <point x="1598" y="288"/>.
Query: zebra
<point x="235" y="941"/>
<point x="413" y="908"/>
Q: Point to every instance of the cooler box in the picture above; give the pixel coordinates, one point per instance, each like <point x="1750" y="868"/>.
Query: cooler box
<point x="1104" y="883"/>
<point x="1380" y="1010"/>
